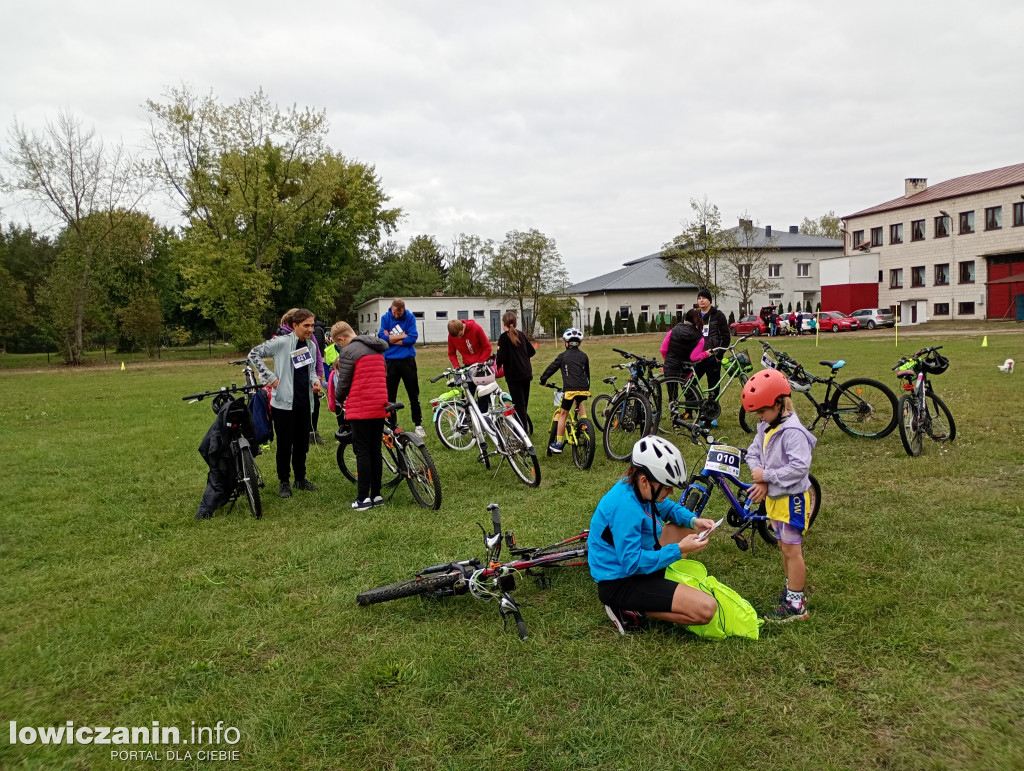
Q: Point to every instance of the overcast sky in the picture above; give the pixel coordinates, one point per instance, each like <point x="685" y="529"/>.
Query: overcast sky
<point x="595" y="122"/>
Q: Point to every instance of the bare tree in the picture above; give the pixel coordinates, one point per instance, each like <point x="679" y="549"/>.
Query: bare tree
<point x="693" y="254"/>
<point x="67" y="172"/>
<point x="745" y="262"/>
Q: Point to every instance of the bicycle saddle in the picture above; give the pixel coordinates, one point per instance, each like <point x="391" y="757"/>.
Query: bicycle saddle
<point x="393" y="406"/>
<point x="609" y="380"/>
<point x="833" y="364"/>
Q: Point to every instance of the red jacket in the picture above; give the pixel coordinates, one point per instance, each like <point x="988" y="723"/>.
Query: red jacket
<point x="361" y="384"/>
<point x="473" y="345"/>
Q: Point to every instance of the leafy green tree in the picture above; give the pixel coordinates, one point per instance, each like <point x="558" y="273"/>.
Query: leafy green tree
<point x="399" y="278"/>
<point x="826" y="226"/>
<point x="641" y="326"/>
<point x="789" y="308"/>
<point x="692" y="256"/>
<point x="630" y="324"/>
<point x="25" y="260"/>
<point x="597" y="328"/>
<point x="466" y="265"/>
<point x="608" y="328"/>
<point x="732" y="317"/>
<point x="619" y="328"/>
<point x="526" y="267"/>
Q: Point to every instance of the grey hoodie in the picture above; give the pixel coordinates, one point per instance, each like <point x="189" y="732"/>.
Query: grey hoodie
<point x="787" y="459"/>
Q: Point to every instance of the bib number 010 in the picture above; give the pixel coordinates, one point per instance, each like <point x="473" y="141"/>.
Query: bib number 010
<point x="723" y="459"/>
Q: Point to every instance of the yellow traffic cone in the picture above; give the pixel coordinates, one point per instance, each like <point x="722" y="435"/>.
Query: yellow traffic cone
<point x="122" y="365"/>
<point x="984" y="342"/>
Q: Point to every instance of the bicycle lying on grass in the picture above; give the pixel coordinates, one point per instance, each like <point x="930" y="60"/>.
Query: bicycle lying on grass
<point x="405" y="456"/>
<point x="460" y="424"/>
<point x="861" y="407"/>
<point x="920" y="411"/>
<point x="579" y="432"/>
<point x="722" y="469"/>
<point x="243" y="472"/>
<point x="488" y="579"/>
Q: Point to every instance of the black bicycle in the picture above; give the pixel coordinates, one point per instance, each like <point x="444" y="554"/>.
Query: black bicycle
<point x="861" y="407"/>
<point x="921" y="412"/>
<point x="630" y="414"/>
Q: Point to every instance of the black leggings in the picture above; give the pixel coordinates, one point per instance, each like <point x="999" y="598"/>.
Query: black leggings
<point x="519" y="390"/>
<point x="292" y="429"/>
<point x="366" y="436"/>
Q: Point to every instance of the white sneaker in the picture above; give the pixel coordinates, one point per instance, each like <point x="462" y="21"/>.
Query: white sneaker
<point x="420" y="432"/>
<point x="378" y="500"/>
<point x="362" y="505"/>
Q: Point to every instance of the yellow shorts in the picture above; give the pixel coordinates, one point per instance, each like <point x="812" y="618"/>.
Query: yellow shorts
<point x="791" y="509"/>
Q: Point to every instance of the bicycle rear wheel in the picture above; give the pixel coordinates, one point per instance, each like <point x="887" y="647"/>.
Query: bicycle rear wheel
<point x="429" y="584"/>
<point x="422" y="474"/>
<point x="676" y="399"/>
<point x="629" y="418"/>
<point x="864" y="408"/>
<point x="941" y="426"/>
<point x="583" y="450"/>
<point x="252" y="481"/>
<point x="519" y="451"/>
<point x="347" y="463"/>
<point x="911" y="431"/>
<point x="599" y="410"/>
<point x="452" y="426"/>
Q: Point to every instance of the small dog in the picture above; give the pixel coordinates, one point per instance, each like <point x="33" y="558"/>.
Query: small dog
<point x="1006" y="367"/>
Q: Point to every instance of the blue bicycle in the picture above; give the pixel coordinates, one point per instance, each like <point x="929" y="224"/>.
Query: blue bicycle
<point x="722" y="469"/>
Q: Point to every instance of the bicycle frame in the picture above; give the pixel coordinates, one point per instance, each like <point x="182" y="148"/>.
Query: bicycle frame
<point x="707" y="406"/>
<point x="801" y="381"/>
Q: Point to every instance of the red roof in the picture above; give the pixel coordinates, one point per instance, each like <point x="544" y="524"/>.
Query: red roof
<point x="953" y="188"/>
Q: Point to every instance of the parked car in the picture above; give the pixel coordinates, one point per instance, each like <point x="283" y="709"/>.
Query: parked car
<point x="874" y="317"/>
<point x="837" y="322"/>
<point x="749" y="325"/>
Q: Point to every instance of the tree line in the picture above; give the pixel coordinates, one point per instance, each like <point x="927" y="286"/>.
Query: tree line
<point x="273" y="218"/>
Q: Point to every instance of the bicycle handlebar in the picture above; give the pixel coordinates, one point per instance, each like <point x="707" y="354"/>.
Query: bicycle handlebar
<point x="234" y="389"/>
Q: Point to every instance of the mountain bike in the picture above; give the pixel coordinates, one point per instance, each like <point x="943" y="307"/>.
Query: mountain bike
<point x="683" y="397"/>
<point x="861" y="407"/>
<point x="630" y="414"/>
<point x="920" y="411"/>
<point x="579" y="431"/>
<point x="722" y="470"/>
<point x="460" y="423"/>
<point x="244" y="473"/>
<point x="488" y="579"/>
<point x="405" y="457"/>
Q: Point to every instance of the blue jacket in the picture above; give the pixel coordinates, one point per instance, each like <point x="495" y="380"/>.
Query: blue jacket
<point x="406" y="349"/>
<point x="623" y="535"/>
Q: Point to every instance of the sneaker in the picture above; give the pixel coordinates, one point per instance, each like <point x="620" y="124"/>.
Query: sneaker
<point x="378" y="500"/>
<point x="625" y="621"/>
<point x="556" y="447"/>
<point x="284" y="491"/>
<point x="362" y="505"/>
<point x="786" y="612"/>
<point x="200" y="514"/>
<point x="714" y="424"/>
<point x="305" y="484"/>
<point x="315" y="438"/>
<point x="420" y="432"/>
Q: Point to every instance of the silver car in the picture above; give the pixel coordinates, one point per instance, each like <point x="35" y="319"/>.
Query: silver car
<point x="874" y="317"/>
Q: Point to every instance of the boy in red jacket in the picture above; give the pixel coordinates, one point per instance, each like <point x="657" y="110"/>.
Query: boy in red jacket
<point x="468" y="338"/>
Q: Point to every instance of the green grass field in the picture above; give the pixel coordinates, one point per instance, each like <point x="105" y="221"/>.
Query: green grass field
<point x="120" y="609"/>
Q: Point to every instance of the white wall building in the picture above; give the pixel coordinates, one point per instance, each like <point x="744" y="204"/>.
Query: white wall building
<point x="433" y="314"/>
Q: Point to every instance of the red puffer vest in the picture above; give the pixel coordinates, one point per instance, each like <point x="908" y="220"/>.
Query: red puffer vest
<point x="369" y="394"/>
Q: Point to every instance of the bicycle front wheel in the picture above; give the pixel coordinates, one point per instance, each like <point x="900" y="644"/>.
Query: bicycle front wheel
<point x="678" y="399"/>
<point x="865" y="408"/>
<point x="429" y="584"/>
<point x="599" y="410"/>
<point x="586" y="444"/>
<point x="452" y="426"/>
<point x="941" y="426"/>
<point x="251" y="481"/>
<point x="911" y="432"/>
<point x="421" y="475"/>
<point x="519" y="451"/>
<point x="629" y="418"/>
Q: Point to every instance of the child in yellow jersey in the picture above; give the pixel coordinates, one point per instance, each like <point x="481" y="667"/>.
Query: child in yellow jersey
<point x="780" y="462"/>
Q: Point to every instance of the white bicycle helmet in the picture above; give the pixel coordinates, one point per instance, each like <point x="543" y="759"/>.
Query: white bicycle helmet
<point x="573" y="336"/>
<point x="660" y="460"/>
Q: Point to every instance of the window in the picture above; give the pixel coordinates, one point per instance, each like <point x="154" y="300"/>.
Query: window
<point x="623" y="312"/>
<point x="942" y="274"/>
<point x="896" y="234"/>
<point x="775" y="270"/>
<point x="967" y="272"/>
<point x="743" y="271"/>
<point x="1018" y="214"/>
<point x="896" y="278"/>
<point x="940" y="309"/>
<point x="360" y="318"/>
<point x="994" y="218"/>
<point x="942" y="226"/>
<point x="479" y="314"/>
<point x="662" y="308"/>
<point x="462" y="314"/>
<point x="374" y="316"/>
<point x="879" y="277"/>
<point x="966" y="222"/>
<point x="417" y="314"/>
<point x="917" y="230"/>
<point x="917" y="276"/>
<point x="876" y="236"/>
<point x="441" y="314"/>
<point x="803" y="269"/>
<point x="858" y="238"/>
<point x="644" y="311"/>
<point x="774" y="298"/>
<point x="965" y="309"/>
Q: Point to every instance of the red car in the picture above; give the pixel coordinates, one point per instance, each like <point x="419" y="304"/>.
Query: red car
<point x="837" y="322"/>
<point x="749" y="325"/>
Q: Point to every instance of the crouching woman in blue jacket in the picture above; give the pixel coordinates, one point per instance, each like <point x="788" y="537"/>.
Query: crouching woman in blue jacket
<point x="636" y="532"/>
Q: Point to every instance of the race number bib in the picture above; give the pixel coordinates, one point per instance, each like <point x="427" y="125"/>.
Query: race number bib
<point x="723" y="459"/>
<point x="301" y="357"/>
<point x="767" y="362"/>
<point x="707" y="329"/>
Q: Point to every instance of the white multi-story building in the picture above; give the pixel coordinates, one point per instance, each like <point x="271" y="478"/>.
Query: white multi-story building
<point x="952" y="250"/>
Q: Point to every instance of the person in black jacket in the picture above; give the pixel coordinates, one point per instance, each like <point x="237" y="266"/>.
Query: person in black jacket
<point x="681" y="342"/>
<point x="715" y="328"/>
<point x="575" y="367"/>
<point x="514" y="354"/>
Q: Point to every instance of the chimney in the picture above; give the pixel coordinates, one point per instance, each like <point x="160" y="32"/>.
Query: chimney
<point x="913" y="186"/>
<point x="767" y="231"/>
<point x="746" y="223"/>
<point x="794" y="228"/>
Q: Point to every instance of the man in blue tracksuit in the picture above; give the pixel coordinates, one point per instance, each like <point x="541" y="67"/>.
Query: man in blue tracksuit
<point x="398" y="328"/>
